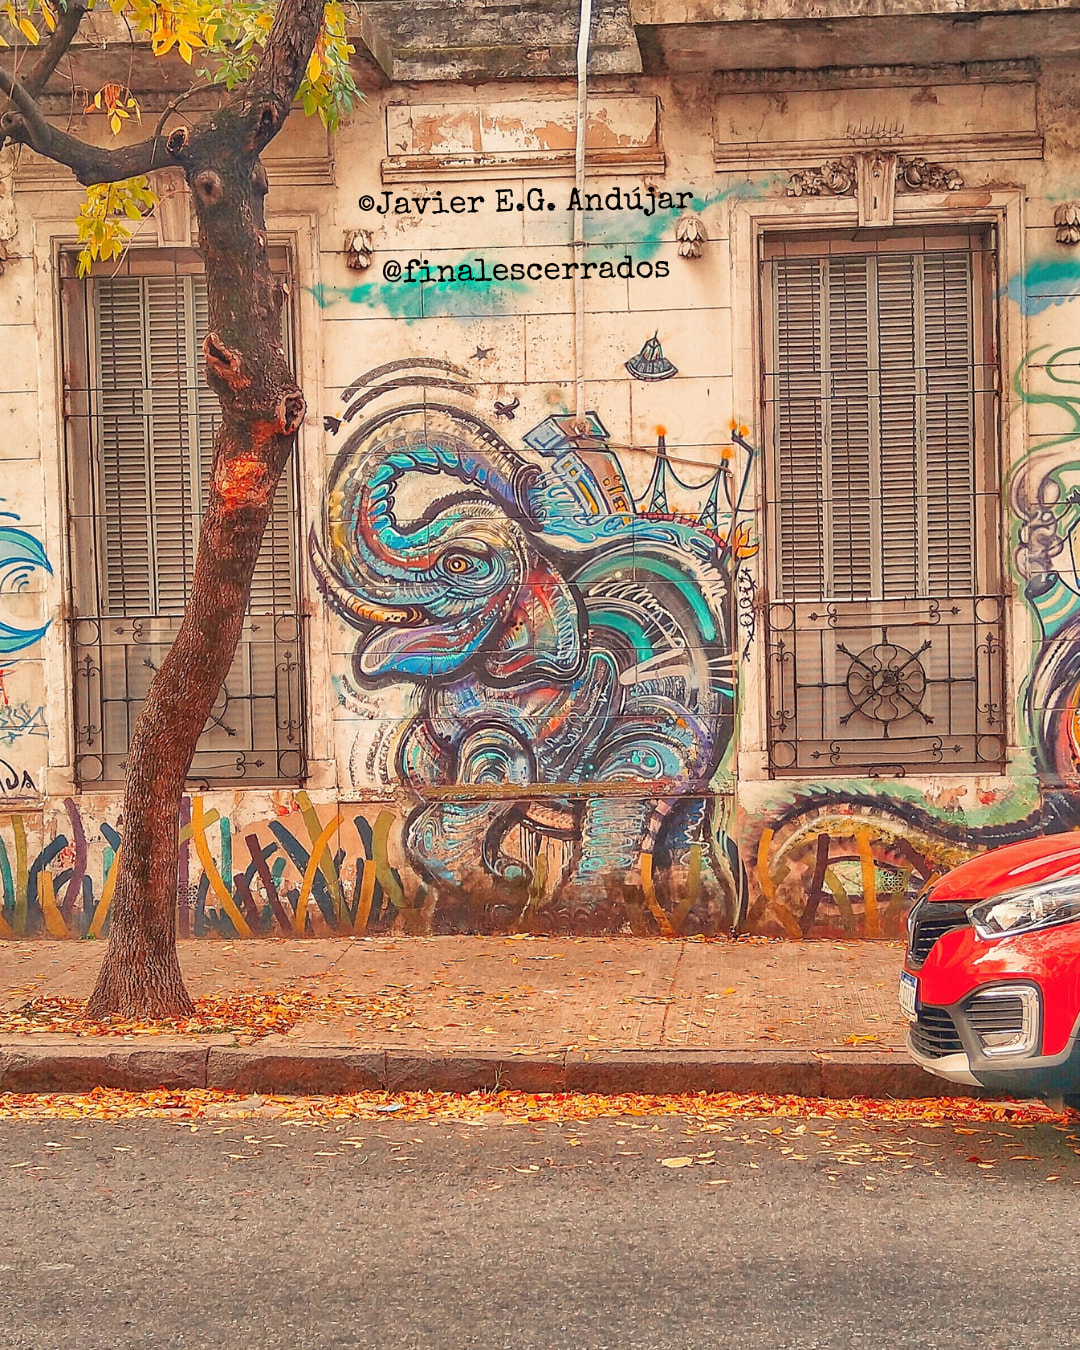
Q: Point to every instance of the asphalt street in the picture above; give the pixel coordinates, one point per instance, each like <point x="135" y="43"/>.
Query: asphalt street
<point x="630" y="1234"/>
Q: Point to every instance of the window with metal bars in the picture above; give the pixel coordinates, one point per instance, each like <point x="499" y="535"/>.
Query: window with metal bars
<point x="140" y="422"/>
<point x="884" y="635"/>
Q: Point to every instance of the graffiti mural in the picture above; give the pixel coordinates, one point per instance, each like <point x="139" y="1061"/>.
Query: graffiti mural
<point x="1046" y="502"/>
<point x="849" y="858"/>
<point x="22" y="560"/>
<point x="21" y="555"/>
<point x="306" y="870"/>
<point x="571" y="649"/>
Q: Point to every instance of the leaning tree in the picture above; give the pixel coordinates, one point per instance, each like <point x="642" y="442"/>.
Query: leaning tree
<point x="259" y="57"/>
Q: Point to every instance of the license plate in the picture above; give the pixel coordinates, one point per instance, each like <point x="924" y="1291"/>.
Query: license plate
<point x="909" y="996"/>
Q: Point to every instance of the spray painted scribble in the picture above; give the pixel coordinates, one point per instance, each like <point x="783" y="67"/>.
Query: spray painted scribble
<point x="573" y="651"/>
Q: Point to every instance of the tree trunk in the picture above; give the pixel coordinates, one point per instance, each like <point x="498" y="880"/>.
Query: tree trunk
<point x="262" y="408"/>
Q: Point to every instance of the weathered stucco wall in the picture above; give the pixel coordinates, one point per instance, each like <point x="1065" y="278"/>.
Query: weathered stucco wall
<point x="536" y="669"/>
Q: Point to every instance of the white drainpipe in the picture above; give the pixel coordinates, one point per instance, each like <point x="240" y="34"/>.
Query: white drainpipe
<point x="584" y="28"/>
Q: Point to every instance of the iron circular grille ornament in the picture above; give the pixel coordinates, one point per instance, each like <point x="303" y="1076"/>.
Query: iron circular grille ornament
<point x="885" y="682"/>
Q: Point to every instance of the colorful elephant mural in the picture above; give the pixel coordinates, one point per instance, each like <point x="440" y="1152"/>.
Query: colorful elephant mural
<point x="572" y="651"/>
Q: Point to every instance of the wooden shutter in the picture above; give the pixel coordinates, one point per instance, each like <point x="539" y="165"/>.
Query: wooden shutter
<point x="870" y="384"/>
<point x="156" y="422"/>
<point x="171" y="434"/>
<point x="140" y="422"/>
<point x="850" y="441"/>
<point x="902" y="484"/>
<point x="949" y="444"/>
<point x="126" y="547"/>
<point x="796" y="391"/>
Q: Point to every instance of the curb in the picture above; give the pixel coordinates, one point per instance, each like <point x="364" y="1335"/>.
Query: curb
<point x="78" y="1064"/>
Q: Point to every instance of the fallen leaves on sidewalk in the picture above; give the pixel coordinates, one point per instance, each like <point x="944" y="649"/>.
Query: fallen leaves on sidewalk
<point x="517" y="1107"/>
<point x="254" y="1015"/>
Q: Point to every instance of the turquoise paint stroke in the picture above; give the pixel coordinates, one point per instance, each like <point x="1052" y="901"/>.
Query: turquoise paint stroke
<point x="430" y="299"/>
<point x="1045" y="282"/>
<point x="400" y="302"/>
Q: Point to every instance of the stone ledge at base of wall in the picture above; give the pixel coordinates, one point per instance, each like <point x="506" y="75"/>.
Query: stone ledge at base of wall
<point x="78" y="1064"/>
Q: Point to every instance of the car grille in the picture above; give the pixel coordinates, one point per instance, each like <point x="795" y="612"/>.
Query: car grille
<point x="1003" y="1012"/>
<point x="935" y="1034"/>
<point x="930" y="921"/>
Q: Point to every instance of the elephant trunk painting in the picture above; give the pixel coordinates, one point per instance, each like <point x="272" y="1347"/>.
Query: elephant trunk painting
<point x="571" y="657"/>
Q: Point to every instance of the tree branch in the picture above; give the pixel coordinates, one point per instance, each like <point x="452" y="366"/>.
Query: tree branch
<point x="89" y="163"/>
<point x="54" y="50"/>
<point x="288" y="49"/>
<point x="266" y="98"/>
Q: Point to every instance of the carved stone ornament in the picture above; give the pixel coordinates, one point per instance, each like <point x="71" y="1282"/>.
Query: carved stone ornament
<point x="358" y="249"/>
<point x="834" y="178"/>
<point x="876" y="171"/>
<point x="1067" y="220"/>
<point x="916" y="175"/>
<point x="690" y="232"/>
<point x="873" y="177"/>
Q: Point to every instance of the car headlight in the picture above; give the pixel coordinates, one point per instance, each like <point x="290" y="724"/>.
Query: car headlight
<point x="1042" y="906"/>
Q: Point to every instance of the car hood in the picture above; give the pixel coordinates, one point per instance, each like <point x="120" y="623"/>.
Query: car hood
<point x="1008" y="868"/>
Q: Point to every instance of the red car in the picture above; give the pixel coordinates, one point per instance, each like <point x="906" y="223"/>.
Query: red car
<point x="991" y="979"/>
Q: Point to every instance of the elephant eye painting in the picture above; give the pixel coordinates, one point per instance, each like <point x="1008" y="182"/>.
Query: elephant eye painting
<point x="569" y="650"/>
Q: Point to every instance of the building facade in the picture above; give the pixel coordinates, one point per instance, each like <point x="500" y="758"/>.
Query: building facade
<point x="714" y="571"/>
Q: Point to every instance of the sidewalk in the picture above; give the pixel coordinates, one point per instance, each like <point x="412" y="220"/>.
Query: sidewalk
<point x="599" y="1014"/>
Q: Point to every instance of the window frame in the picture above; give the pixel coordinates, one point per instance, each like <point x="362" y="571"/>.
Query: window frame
<point x="832" y="232"/>
<point x="85" y="575"/>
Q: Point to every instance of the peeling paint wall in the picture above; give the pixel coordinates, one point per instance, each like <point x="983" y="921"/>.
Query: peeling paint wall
<point x="536" y="669"/>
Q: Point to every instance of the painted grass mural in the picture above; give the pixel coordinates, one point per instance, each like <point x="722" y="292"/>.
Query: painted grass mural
<point x="307" y="871"/>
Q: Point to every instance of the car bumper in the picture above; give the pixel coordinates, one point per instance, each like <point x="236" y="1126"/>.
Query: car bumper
<point x="1027" y="1076"/>
<point x="956" y="1068"/>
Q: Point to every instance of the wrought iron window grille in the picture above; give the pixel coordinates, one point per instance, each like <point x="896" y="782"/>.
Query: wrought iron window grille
<point x="886" y="688"/>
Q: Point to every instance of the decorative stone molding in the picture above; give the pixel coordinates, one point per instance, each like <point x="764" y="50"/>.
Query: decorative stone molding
<point x="974" y="122"/>
<point x="916" y="175"/>
<point x="358" y="249"/>
<point x="443" y="142"/>
<point x="873" y="177"/>
<point x="690" y="233"/>
<point x="834" y="178"/>
<point x="1067" y="220"/>
<point x="877" y="174"/>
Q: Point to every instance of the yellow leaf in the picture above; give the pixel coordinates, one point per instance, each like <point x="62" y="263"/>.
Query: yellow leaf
<point x="676" y="1162"/>
<point x="27" y="29"/>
